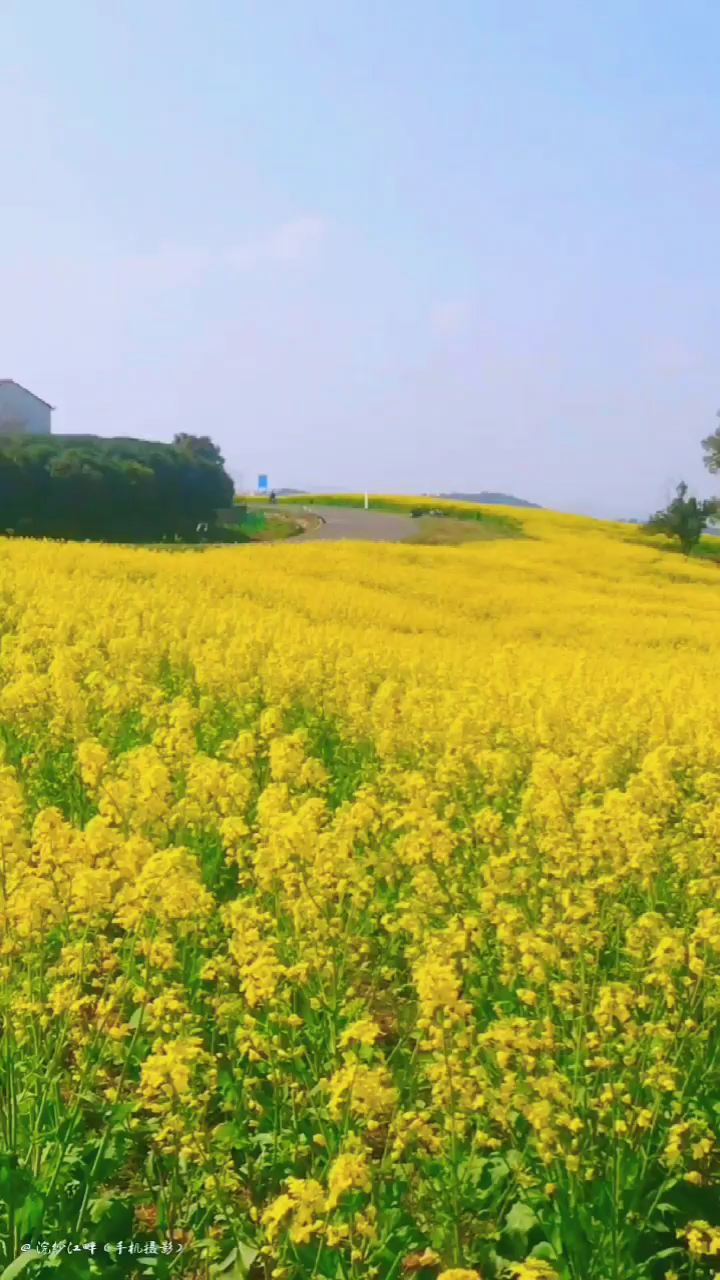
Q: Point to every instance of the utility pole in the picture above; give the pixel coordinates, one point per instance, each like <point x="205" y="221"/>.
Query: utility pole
<point x="366" y="502"/>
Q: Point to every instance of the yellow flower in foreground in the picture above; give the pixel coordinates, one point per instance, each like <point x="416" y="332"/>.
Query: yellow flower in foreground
<point x="364" y="1031"/>
<point x="347" y="1173"/>
<point x="418" y="843"/>
<point x="303" y="1205"/>
<point x="533" y="1269"/>
<point x="365" y="1091"/>
<point x="170" y="1070"/>
<point x="702" y="1240"/>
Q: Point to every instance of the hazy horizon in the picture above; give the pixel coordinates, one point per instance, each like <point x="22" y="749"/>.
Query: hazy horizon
<point x="414" y="249"/>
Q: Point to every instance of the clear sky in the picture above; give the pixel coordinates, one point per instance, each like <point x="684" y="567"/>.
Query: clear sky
<point x="400" y="244"/>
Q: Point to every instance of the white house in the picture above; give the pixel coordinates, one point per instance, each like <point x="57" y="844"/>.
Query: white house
<point x="21" y="411"/>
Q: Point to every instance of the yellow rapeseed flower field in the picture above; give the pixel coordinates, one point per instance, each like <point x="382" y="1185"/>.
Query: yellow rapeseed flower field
<point x="360" y="910"/>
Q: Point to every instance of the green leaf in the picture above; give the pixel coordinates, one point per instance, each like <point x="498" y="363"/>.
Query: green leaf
<point x="473" y="1167"/>
<point x="499" y="1171"/>
<point x="98" y="1208"/>
<point x="229" y="1135"/>
<point x="218" y="1267"/>
<point x="19" y="1264"/>
<point x="664" y="1254"/>
<point x="576" y="1243"/>
<point x="73" y="1268"/>
<point x="545" y="1251"/>
<point x="247" y="1255"/>
<point x="237" y="1263"/>
<point x="29" y="1215"/>
<point x="500" y="1265"/>
<point x="112" y="1219"/>
<point x="121" y="1112"/>
<point x="15" y="1182"/>
<point x="521" y="1219"/>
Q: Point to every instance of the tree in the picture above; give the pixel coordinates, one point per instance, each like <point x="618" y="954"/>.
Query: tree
<point x="711" y="445"/>
<point x="117" y="489"/>
<point x="685" y="518"/>
<point x="200" y="448"/>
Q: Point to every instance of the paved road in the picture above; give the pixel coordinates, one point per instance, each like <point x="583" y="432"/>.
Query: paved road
<point x="358" y="525"/>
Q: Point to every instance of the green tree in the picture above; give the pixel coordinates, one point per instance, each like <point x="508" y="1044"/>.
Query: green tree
<point x="711" y="447"/>
<point x="114" y="489"/>
<point x="684" y="518"/>
<point x="199" y="448"/>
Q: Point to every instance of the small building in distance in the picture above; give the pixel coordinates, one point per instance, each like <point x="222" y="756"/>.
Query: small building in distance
<point x="22" y="412"/>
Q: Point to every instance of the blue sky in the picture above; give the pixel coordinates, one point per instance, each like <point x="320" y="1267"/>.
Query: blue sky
<point x="413" y="246"/>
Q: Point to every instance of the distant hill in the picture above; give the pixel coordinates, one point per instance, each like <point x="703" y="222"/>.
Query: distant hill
<point x="498" y="499"/>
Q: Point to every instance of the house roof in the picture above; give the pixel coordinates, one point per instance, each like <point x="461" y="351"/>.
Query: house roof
<point x="11" y="381"/>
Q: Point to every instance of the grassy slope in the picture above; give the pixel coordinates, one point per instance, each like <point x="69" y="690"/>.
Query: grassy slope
<point x="271" y="528"/>
<point x="450" y="531"/>
<point x="260" y="526"/>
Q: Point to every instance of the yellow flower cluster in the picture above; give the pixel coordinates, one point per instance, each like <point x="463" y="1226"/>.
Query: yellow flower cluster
<point x="363" y="904"/>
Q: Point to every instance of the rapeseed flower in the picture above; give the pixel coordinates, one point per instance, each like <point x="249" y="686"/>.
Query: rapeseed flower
<point x="349" y="896"/>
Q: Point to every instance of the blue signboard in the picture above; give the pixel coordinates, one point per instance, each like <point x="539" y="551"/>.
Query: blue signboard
<point x="262" y="484"/>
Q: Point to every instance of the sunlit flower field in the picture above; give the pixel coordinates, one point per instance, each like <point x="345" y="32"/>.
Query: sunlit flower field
<point x="360" y="910"/>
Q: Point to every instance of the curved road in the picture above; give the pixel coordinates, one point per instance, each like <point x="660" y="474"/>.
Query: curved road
<point x="358" y="525"/>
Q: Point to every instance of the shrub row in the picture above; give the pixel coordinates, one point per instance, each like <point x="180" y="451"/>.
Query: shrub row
<point x="114" y="490"/>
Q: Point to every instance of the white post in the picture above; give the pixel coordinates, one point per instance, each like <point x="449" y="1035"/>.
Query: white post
<point x="366" y="502"/>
